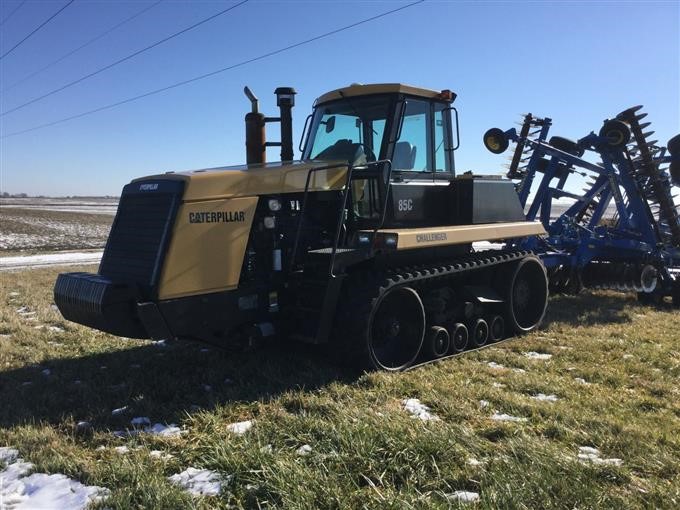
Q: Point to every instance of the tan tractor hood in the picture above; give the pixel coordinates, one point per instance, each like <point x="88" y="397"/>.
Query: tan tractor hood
<point x="255" y="180"/>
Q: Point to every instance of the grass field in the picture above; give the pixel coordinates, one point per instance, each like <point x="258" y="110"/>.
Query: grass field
<point x="611" y="384"/>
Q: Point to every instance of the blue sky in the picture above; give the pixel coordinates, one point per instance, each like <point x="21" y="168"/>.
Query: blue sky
<point x="576" y="62"/>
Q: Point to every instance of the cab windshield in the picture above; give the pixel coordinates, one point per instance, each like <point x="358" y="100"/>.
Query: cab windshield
<point x="350" y="129"/>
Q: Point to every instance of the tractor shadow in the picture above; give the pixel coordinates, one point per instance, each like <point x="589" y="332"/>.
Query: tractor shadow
<point x="165" y="384"/>
<point x="592" y="308"/>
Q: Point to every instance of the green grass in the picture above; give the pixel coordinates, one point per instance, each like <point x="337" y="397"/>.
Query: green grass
<point x="367" y="451"/>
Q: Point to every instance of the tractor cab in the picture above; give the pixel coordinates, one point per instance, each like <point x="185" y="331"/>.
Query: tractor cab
<point x="409" y="127"/>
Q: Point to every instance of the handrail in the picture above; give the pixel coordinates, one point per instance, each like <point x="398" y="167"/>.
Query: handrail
<point x="304" y="207"/>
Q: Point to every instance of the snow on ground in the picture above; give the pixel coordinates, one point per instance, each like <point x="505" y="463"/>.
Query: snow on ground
<point x="506" y="417"/>
<point x="21" y="491"/>
<point x="581" y="380"/>
<point x="463" y="496"/>
<point x="157" y="429"/>
<point x="537" y="355"/>
<point x="305" y="449"/>
<point x="200" y="482"/>
<point x="418" y="410"/>
<point x="495" y="366"/>
<point x="545" y="398"/>
<point x="49" y="259"/>
<point x="158" y="454"/>
<point x="240" y="427"/>
<point x="589" y="454"/>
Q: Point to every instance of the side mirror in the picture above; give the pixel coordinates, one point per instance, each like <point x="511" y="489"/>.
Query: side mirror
<point x="330" y="124"/>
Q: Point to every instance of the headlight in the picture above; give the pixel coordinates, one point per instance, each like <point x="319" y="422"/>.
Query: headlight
<point x="269" y="222"/>
<point x="274" y="204"/>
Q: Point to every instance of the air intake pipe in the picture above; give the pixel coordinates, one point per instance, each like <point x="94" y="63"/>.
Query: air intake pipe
<point x="256" y="139"/>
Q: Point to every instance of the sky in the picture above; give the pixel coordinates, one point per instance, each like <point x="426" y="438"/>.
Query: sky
<point x="577" y="62"/>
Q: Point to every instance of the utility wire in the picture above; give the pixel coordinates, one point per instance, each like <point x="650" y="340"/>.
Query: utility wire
<point x="13" y="11"/>
<point x="213" y="73"/>
<point x="124" y="59"/>
<point x="36" y="29"/>
<point x="93" y="40"/>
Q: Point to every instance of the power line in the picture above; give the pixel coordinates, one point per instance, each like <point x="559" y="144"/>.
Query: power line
<point x="124" y="59"/>
<point x="13" y="11"/>
<point x="36" y="29"/>
<point x="93" y="40"/>
<point x="213" y="73"/>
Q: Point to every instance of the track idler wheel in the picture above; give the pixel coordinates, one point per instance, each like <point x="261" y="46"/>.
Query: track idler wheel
<point x="526" y="295"/>
<point x="616" y="132"/>
<point x="496" y="141"/>
<point x="496" y="328"/>
<point x="396" y="329"/>
<point x="480" y="333"/>
<point x="459" y="337"/>
<point x="437" y="343"/>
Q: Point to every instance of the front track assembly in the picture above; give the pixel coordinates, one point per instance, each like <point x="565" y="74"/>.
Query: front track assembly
<point x="397" y="318"/>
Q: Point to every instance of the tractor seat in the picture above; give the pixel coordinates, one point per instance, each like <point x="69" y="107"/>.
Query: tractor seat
<point x="404" y="156"/>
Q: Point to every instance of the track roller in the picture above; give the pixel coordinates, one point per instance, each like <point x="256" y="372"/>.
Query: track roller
<point x="459" y="337"/>
<point x="480" y="332"/>
<point x="496" y="328"/>
<point x="437" y="342"/>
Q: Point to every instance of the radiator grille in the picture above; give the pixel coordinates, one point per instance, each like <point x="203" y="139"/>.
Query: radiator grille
<point x="138" y="238"/>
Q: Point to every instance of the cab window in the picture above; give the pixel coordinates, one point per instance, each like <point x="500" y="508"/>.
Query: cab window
<point x="411" y="152"/>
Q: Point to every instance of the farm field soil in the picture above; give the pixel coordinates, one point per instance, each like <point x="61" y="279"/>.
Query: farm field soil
<point x="30" y="225"/>
<point x="584" y="413"/>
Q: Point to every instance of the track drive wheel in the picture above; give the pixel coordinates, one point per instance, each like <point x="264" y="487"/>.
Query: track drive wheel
<point x="396" y="329"/>
<point x="527" y="295"/>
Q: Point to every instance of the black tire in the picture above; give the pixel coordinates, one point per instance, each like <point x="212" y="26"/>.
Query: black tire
<point x="480" y="333"/>
<point x="496" y="141"/>
<point x="526" y="295"/>
<point x="396" y="329"/>
<point x="616" y="132"/>
<point x="437" y="343"/>
<point x="673" y="146"/>
<point x="459" y="337"/>
<point x="496" y="328"/>
<point x="566" y="145"/>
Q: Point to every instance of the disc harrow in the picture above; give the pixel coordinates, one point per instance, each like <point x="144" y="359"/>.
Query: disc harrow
<point x="623" y="230"/>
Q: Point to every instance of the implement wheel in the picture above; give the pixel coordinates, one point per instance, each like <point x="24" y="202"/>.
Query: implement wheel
<point x="396" y="329"/>
<point x="527" y="295"/>
<point x="616" y="132"/>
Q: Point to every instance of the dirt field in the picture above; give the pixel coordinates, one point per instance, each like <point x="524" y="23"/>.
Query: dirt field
<point x="30" y="225"/>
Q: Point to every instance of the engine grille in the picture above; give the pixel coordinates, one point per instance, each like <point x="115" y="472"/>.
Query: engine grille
<point x="140" y="234"/>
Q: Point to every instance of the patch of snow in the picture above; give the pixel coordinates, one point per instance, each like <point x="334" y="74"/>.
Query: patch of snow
<point x="519" y="370"/>
<point x="588" y="449"/>
<point x="267" y="448"/>
<point x="418" y="410"/>
<point x="545" y="398"/>
<point x="122" y="449"/>
<point x="52" y="259"/>
<point x="56" y="329"/>
<point x="21" y="491"/>
<point x="140" y="420"/>
<point x="305" y="449"/>
<point x="8" y="454"/>
<point x="589" y="454"/>
<point x="483" y="404"/>
<point x="474" y="462"/>
<point x="506" y="417"/>
<point x="581" y="380"/>
<point x="537" y="355"/>
<point x="158" y="454"/>
<point x="12" y="294"/>
<point x="628" y="356"/>
<point x="240" y="427"/>
<point x="495" y="366"/>
<point x="463" y="496"/>
<point x="159" y="429"/>
<point x="119" y="411"/>
<point x="199" y="482"/>
<point x="498" y="385"/>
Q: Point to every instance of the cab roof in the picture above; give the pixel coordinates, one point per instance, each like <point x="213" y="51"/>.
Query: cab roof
<point x="357" y="89"/>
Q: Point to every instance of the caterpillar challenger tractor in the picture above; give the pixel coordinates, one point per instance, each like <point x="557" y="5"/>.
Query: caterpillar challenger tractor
<point x="366" y="242"/>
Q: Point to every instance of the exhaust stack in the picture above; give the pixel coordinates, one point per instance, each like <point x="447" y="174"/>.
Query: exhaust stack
<point x="256" y="138"/>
